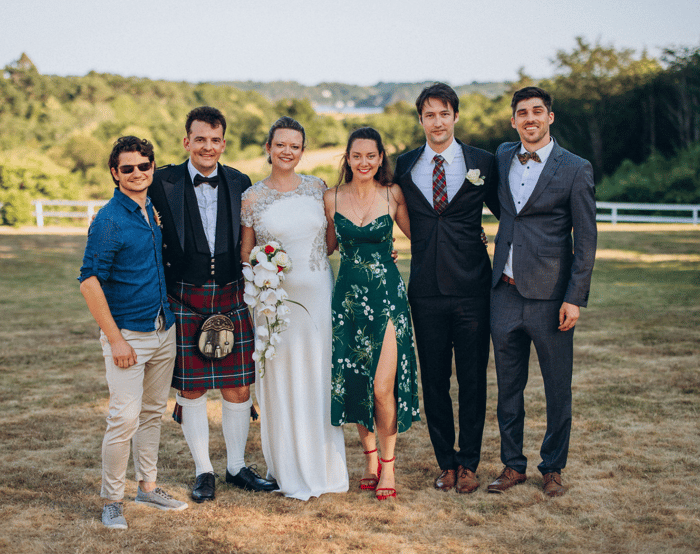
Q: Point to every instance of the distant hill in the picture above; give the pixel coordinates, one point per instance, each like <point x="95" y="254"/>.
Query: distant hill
<point x="327" y="96"/>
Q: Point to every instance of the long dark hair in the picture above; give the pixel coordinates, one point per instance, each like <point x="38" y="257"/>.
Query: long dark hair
<point x="384" y="174"/>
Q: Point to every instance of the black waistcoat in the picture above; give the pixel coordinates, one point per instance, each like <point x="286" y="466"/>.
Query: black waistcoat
<point x="199" y="265"/>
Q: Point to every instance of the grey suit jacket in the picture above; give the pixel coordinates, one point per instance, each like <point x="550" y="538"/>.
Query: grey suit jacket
<point x="547" y="263"/>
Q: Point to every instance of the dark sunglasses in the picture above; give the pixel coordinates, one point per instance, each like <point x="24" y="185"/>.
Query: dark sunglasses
<point x="130" y="168"/>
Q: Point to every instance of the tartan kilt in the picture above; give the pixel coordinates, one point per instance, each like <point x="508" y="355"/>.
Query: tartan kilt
<point x="192" y="370"/>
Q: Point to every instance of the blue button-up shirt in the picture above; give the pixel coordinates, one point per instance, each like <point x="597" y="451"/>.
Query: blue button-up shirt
<point x="124" y="252"/>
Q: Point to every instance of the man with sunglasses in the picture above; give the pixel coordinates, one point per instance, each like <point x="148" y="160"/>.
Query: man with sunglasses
<point x="123" y="283"/>
<point x="200" y="204"/>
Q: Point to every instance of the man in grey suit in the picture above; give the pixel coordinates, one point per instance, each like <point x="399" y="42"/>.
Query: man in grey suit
<point x="540" y="280"/>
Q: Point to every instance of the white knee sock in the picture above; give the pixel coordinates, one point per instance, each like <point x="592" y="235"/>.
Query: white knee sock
<point x="195" y="427"/>
<point x="235" y="422"/>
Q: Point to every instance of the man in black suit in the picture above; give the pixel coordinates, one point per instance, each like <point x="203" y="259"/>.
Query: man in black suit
<point x="445" y="184"/>
<point x="540" y="279"/>
<point x="199" y="203"/>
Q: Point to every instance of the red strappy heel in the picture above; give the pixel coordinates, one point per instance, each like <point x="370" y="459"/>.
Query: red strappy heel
<point x="370" y="483"/>
<point x="384" y="493"/>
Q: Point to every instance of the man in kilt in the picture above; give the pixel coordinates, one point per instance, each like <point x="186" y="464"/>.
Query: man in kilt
<point x="199" y="202"/>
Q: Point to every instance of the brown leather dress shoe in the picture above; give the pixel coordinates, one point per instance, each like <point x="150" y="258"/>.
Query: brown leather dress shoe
<point x="507" y="479"/>
<point x="552" y="484"/>
<point x="466" y="480"/>
<point x="446" y="480"/>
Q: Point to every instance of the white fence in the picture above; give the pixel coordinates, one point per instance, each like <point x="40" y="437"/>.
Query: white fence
<point x="616" y="207"/>
<point x="613" y="210"/>
<point x="91" y="208"/>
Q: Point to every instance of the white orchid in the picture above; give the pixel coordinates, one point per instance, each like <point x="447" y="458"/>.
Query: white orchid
<point x="268" y="297"/>
<point x="263" y="294"/>
<point x="265" y="279"/>
<point x="267" y="311"/>
<point x="247" y="271"/>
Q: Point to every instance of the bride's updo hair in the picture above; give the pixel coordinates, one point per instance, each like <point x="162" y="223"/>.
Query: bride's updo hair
<point x="285" y="122"/>
<point x="384" y="174"/>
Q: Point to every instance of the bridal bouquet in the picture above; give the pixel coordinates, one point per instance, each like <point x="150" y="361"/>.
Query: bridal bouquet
<point x="265" y="296"/>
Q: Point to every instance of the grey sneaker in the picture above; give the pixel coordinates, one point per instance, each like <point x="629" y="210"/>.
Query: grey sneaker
<point x="113" y="517"/>
<point x="160" y="499"/>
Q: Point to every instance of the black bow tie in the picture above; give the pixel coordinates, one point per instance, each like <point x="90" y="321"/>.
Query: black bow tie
<point x="212" y="181"/>
<point x="523" y="158"/>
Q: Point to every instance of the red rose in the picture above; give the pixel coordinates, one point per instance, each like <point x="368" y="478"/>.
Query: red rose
<point x="280" y="269"/>
<point x="269" y="249"/>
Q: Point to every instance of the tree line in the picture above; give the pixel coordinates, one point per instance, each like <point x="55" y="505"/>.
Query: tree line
<point x="636" y="118"/>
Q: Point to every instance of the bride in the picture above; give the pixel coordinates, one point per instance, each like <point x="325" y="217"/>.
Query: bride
<point x="303" y="451"/>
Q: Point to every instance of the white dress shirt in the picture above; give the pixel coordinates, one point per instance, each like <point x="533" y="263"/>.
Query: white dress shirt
<point x="455" y="170"/>
<point x="207" y="200"/>
<point x="522" y="179"/>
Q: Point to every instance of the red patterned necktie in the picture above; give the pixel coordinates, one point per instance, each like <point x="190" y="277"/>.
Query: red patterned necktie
<point x="439" y="184"/>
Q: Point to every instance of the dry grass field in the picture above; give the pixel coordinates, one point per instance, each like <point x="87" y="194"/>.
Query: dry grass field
<point x="634" y="464"/>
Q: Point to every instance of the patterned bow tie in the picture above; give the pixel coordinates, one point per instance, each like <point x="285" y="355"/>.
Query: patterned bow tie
<point x="212" y="181"/>
<point x="528" y="156"/>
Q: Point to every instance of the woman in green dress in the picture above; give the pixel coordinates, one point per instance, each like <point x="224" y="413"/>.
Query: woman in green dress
<point x="374" y="380"/>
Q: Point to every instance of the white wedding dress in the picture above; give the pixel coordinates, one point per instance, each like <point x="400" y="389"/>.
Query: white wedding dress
<point x="302" y="450"/>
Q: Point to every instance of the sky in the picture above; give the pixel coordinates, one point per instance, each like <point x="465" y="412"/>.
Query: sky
<point x="358" y="42"/>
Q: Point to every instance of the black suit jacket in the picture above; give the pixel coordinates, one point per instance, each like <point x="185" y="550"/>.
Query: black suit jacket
<point x="168" y="196"/>
<point x="547" y="263"/>
<point x="447" y="255"/>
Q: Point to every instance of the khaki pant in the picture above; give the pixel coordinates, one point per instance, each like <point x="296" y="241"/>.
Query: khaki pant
<point x="137" y="399"/>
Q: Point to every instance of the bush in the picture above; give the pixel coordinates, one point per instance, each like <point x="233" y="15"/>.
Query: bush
<point x="674" y="180"/>
<point x="16" y="208"/>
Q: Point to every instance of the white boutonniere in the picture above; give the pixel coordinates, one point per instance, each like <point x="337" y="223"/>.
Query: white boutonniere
<point x="474" y="177"/>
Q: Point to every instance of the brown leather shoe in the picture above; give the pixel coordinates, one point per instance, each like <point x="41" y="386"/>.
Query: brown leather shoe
<point x="446" y="480"/>
<point x="507" y="479"/>
<point x="552" y="484"/>
<point x="466" y="480"/>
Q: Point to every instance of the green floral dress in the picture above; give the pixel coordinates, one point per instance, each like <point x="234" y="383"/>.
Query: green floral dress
<point x="368" y="292"/>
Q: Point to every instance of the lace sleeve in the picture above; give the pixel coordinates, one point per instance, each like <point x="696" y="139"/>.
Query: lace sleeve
<point x="248" y="200"/>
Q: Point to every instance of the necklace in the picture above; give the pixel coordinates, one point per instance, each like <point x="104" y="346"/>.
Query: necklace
<point x="364" y="209"/>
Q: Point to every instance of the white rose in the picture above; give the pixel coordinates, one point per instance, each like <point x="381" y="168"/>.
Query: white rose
<point x="274" y="244"/>
<point x="474" y="177"/>
<point x="281" y="259"/>
<point x="254" y="252"/>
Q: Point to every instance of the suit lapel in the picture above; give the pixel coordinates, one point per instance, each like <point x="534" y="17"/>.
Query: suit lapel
<point x="550" y="168"/>
<point x="175" y="195"/>
<point x="234" y="196"/>
<point x="407" y="178"/>
<point x="504" y="163"/>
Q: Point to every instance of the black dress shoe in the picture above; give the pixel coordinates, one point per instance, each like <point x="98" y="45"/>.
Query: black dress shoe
<point x="204" y="487"/>
<point x="249" y="480"/>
